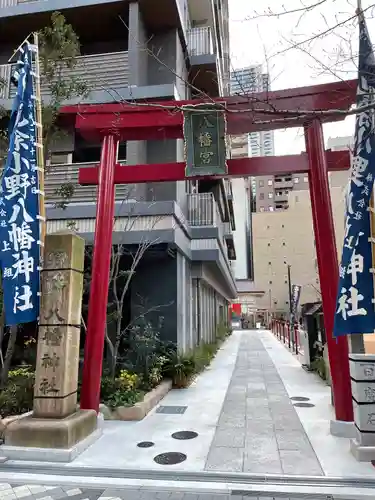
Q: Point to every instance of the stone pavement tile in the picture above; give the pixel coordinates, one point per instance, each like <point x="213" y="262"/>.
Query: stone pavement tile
<point x="5" y="486"/>
<point x="22" y="491"/>
<point x="258" y="428"/>
<point x="230" y="438"/>
<point x="262" y="455"/>
<point x="225" y="459"/>
<point x="287" y="422"/>
<point x="262" y="466"/>
<point x="292" y="440"/>
<point x="297" y="462"/>
<point x="7" y="495"/>
<point x="129" y="494"/>
<point x="230" y="420"/>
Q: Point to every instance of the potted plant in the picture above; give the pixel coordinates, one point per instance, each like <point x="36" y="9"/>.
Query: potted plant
<point x="179" y="368"/>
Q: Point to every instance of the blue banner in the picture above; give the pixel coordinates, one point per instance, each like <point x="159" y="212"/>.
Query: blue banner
<point x="355" y="311"/>
<point x="19" y="204"/>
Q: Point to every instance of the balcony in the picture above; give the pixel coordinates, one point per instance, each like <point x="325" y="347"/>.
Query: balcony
<point x="203" y="210"/>
<point x="199" y="41"/>
<point x="67" y="174"/>
<point x="204" y="63"/>
<point x="283" y="184"/>
<point x="98" y="71"/>
<point x="281" y="198"/>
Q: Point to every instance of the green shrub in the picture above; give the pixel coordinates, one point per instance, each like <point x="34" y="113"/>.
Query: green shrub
<point x="223" y="331"/>
<point x="179" y="368"/>
<point x="121" y="391"/>
<point x="319" y="366"/>
<point x="17" y="396"/>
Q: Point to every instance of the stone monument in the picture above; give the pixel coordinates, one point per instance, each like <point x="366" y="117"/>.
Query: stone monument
<point x="362" y="373"/>
<point x="56" y="430"/>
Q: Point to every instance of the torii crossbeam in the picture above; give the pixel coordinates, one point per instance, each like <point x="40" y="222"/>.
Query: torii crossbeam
<point x="306" y="107"/>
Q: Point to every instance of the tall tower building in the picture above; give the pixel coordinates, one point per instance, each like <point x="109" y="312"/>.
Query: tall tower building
<point x="245" y="80"/>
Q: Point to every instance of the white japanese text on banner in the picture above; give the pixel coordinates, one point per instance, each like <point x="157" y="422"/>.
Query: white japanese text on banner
<point x="355" y="301"/>
<point x="19" y="204"/>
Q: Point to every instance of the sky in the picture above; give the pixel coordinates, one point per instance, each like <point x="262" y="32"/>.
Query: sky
<point x="283" y="46"/>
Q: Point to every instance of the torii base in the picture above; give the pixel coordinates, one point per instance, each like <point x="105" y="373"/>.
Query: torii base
<point x="51" y="440"/>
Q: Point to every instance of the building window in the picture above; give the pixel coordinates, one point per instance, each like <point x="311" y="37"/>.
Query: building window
<point x="283" y="243"/>
<point x="270" y="195"/>
<point x="261" y="209"/>
<point x="305" y="179"/>
<point x="296" y="180"/>
<point x="286" y="282"/>
<point x="269" y="263"/>
<point x="269" y="244"/>
<point x="270" y="282"/>
<point x="268" y="227"/>
<point x="297" y="199"/>
<point x="261" y="196"/>
<point x="287" y="302"/>
<point x="275" y="302"/>
<point x="282" y="225"/>
<point x="270" y="209"/>
<point x="270" y="182"/>
<point x="261" y="184"/>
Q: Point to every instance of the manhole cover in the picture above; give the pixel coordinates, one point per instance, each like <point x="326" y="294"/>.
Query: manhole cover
<point x="172" y="410"/>
<point x="170" y="458"/>
<point x="184" y="435"/>
<point x="145" y="444"/>
<point x="299" y="398"/>
<point x="304" y="405"/>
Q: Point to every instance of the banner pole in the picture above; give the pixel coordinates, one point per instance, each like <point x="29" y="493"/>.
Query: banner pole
<point x="39" y="143"/>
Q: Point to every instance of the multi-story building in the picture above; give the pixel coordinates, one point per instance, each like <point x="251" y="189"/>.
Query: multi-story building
<point x="246" y="80"/>
<point x="272" y="192"/>
<point x="139" y="51"/>
<point x="286" y="238"/>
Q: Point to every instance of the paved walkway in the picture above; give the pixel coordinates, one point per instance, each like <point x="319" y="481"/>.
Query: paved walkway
<point x="259" y="430"/>
<point x="37" y="492"/>
<point x="243" y="417"/>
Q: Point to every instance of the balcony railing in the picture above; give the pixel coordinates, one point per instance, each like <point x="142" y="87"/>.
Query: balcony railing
<point x="67" y="174"/>
<point x="97" y="72"/>
<point x="228" y="233"/>
<point x="283" y="184"/>
<point x="200" y="41"/>
<point x="281" y="197"/>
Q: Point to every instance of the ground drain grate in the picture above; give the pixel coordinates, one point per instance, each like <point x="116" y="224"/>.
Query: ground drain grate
<point x="170" y="458"/>
<point x="184" y="435"/>
<point x="145" y="444"/>
<point x="299" y="398"/>
<point x="172" y="410"/>
<point x="304" y="405"/>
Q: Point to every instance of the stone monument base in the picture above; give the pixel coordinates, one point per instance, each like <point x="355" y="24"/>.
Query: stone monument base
<point x="362" y="453"/>
<point x="47" y="439"/>
<point x="342" y="429"/>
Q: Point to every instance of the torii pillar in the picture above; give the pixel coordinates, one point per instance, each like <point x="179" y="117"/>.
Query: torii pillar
<point x="324" y="231"/>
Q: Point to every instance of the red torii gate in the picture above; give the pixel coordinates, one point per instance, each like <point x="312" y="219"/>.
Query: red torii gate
<point x="307" y="106"/>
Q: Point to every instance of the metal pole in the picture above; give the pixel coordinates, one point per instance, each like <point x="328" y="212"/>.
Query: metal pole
<point x="101" y="263"/>
<point x="328" y="268"/>
<point x="290" y="304"/>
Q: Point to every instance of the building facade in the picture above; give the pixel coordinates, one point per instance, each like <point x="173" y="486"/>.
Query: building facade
<point x="246" y="80"/>
<point x="286" y="238"/>
<point x="139" y="51"/>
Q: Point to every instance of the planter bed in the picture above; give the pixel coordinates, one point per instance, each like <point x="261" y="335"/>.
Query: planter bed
<point x="140" y="409"/>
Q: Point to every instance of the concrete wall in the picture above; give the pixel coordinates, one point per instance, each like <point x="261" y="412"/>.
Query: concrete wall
<point x="156" y="281"/>
<point x="164" y="48"/>
<point x="241" y="235"/>
<point x="138" y="57"/>
<point x="288" y="236"/>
